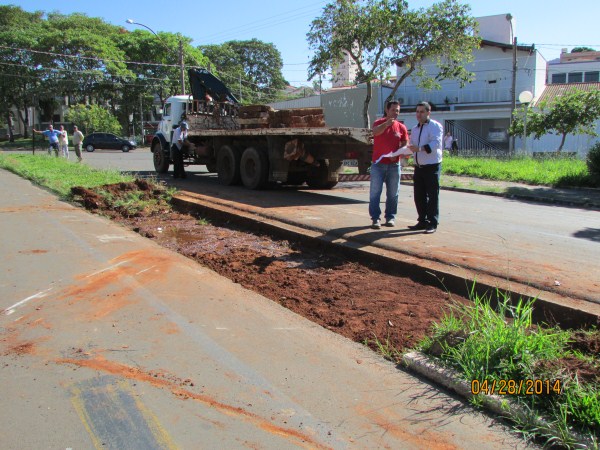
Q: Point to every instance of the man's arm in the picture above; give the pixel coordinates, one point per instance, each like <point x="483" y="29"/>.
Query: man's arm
<point x="380" y="128"/>
<point x="436" y="134"/>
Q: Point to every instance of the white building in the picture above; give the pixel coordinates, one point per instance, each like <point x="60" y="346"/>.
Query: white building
<point x="478" y="114"/>
<point x="344" y="74"/>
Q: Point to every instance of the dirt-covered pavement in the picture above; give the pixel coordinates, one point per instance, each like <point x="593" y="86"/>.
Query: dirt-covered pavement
<point x="366" y="303"/>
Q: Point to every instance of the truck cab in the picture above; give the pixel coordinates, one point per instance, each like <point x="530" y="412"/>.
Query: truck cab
<point x="173" y="110"/>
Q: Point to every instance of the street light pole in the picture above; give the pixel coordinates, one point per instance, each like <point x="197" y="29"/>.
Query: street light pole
<point x="179" y="53"/>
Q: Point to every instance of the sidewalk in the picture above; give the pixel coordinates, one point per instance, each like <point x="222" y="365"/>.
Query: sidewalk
<point x="108" y="339"/>
<point x="580" y="197"/>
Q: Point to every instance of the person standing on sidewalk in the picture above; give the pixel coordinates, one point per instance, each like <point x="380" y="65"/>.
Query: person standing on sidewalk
<point x="63" y="142"/>
<point x="77" y="142"/>
<point x="388" y="136"/>
<point x="52" y="136"/>
<point x="179" y="136"/>
<point x="426" y="144"/>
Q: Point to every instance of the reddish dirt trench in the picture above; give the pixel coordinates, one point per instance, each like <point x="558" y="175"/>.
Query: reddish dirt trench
<point x="352" y="299"/>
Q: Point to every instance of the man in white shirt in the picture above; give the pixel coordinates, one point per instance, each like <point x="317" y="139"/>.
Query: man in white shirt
<point x="179" y="136"/>
<point x="63" y="142"/>
<point x="426" y="145"/>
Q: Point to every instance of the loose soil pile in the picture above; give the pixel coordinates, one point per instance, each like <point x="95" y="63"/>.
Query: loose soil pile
<point x="359" y="301"/>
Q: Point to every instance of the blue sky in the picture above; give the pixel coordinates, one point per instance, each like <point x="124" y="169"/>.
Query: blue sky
<point x="549" y="24"/>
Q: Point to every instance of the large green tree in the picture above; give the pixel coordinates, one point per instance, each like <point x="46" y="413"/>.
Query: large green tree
<point x="90" y="118"/>
<point x="154" y="62"/>
<point x="574" y="112"/>
<point x="250" y="68"/>
<point x="374" y="33"/>
<point x="50" y="57"/>
<point x="19" y="31"/>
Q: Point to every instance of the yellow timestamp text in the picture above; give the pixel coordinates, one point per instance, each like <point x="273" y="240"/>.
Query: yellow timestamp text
<point x="516" y="387"/>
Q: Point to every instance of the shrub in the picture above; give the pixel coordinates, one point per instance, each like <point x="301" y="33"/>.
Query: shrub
<point x="593" y="160"/>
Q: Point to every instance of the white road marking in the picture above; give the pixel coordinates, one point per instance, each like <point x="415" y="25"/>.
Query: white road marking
<point x="145" y="270"/>
<point x="108" y="268"/>
<point x="104" y="238"/>
<point x="11" y="309"/>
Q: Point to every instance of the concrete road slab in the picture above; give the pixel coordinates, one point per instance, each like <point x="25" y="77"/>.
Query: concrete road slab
<point x="109" y="341"/>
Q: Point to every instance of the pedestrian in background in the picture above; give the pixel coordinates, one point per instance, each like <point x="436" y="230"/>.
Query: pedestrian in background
<point x="426" y="144"/>
<point x="448" y="141"/>
<point x="63" y="142"/>
<point x="52" y="136"/>
<point x="388" y="136"/>
<point x="77" y="142"/>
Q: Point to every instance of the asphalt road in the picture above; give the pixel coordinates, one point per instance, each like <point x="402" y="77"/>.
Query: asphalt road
<point x="109" y="341"/>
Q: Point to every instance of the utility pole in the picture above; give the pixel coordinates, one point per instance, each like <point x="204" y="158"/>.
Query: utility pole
<point x="142" y="122"/>
<point x="181" y="67"/>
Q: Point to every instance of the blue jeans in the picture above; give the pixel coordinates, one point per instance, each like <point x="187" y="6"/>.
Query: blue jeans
<point x="390" y="175"/>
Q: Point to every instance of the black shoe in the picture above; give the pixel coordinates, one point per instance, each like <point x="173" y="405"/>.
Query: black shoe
<point x="430" y="229"/>
<point x="418" y="226"/>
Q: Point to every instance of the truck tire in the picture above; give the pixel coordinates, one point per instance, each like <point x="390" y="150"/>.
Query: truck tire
<point x="317" y="176"/>
<point x="254" y="168"/>
<point x="161" y="160"/>
<point x="211" y="167"/>
<point x="295" y="178"/>
<point x="228" y="165"/>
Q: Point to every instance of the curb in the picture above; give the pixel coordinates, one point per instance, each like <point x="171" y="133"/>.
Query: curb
<point x="428" y="368"/>
<point x="582" y="202"/>
<point x="573" y="312"/>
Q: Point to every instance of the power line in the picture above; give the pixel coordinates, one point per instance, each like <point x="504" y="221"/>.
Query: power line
<point x="266" y="22"/>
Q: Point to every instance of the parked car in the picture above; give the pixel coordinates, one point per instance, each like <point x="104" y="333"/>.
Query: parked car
<point x="497" y="135"/>
<point x="107" y="140"/>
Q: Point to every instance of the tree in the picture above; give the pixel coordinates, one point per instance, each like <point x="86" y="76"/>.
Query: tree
<point x="153" y="62"/>
<point x="444" y="34"/>
<point x="90" y="118"/>
<point x="19" y="30"/>
<point x="254" y="64"/>
<point x="582" y="49"/>
<point x="361" y="30"/>
<point x="574" y="112"/>
<point x="376" y="32"/>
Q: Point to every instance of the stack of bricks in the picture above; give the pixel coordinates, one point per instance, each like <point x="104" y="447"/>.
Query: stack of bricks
<point x="297" y="118"/>
<point x="254" y="116"/>
<point x="263" y="116"/>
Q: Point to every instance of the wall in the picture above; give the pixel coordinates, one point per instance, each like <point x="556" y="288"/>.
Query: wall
<point x="493" y="79"/>
<point x="313" y="101"/>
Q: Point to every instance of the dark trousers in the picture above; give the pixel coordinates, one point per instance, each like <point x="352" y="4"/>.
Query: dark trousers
<point x="426" y="184"/>
<point x="177" y="157"/>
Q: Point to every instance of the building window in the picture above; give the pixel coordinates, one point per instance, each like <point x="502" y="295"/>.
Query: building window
<point x="591" y="77"/>
<point x="559" y="78"/>
<point x="576" y="77"/>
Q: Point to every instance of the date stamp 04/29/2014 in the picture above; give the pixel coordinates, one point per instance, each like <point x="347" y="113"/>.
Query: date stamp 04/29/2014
<point x="516" y="387"/>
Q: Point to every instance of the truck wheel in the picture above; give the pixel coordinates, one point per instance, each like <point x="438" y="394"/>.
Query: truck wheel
<point x="317" y="177"/>
<point x="228" y="165"/>
<point x="211" y="167"/>
<point x="254" y="168"/>
<point x="161" y="161"/>
<point x="296" y="178"/>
